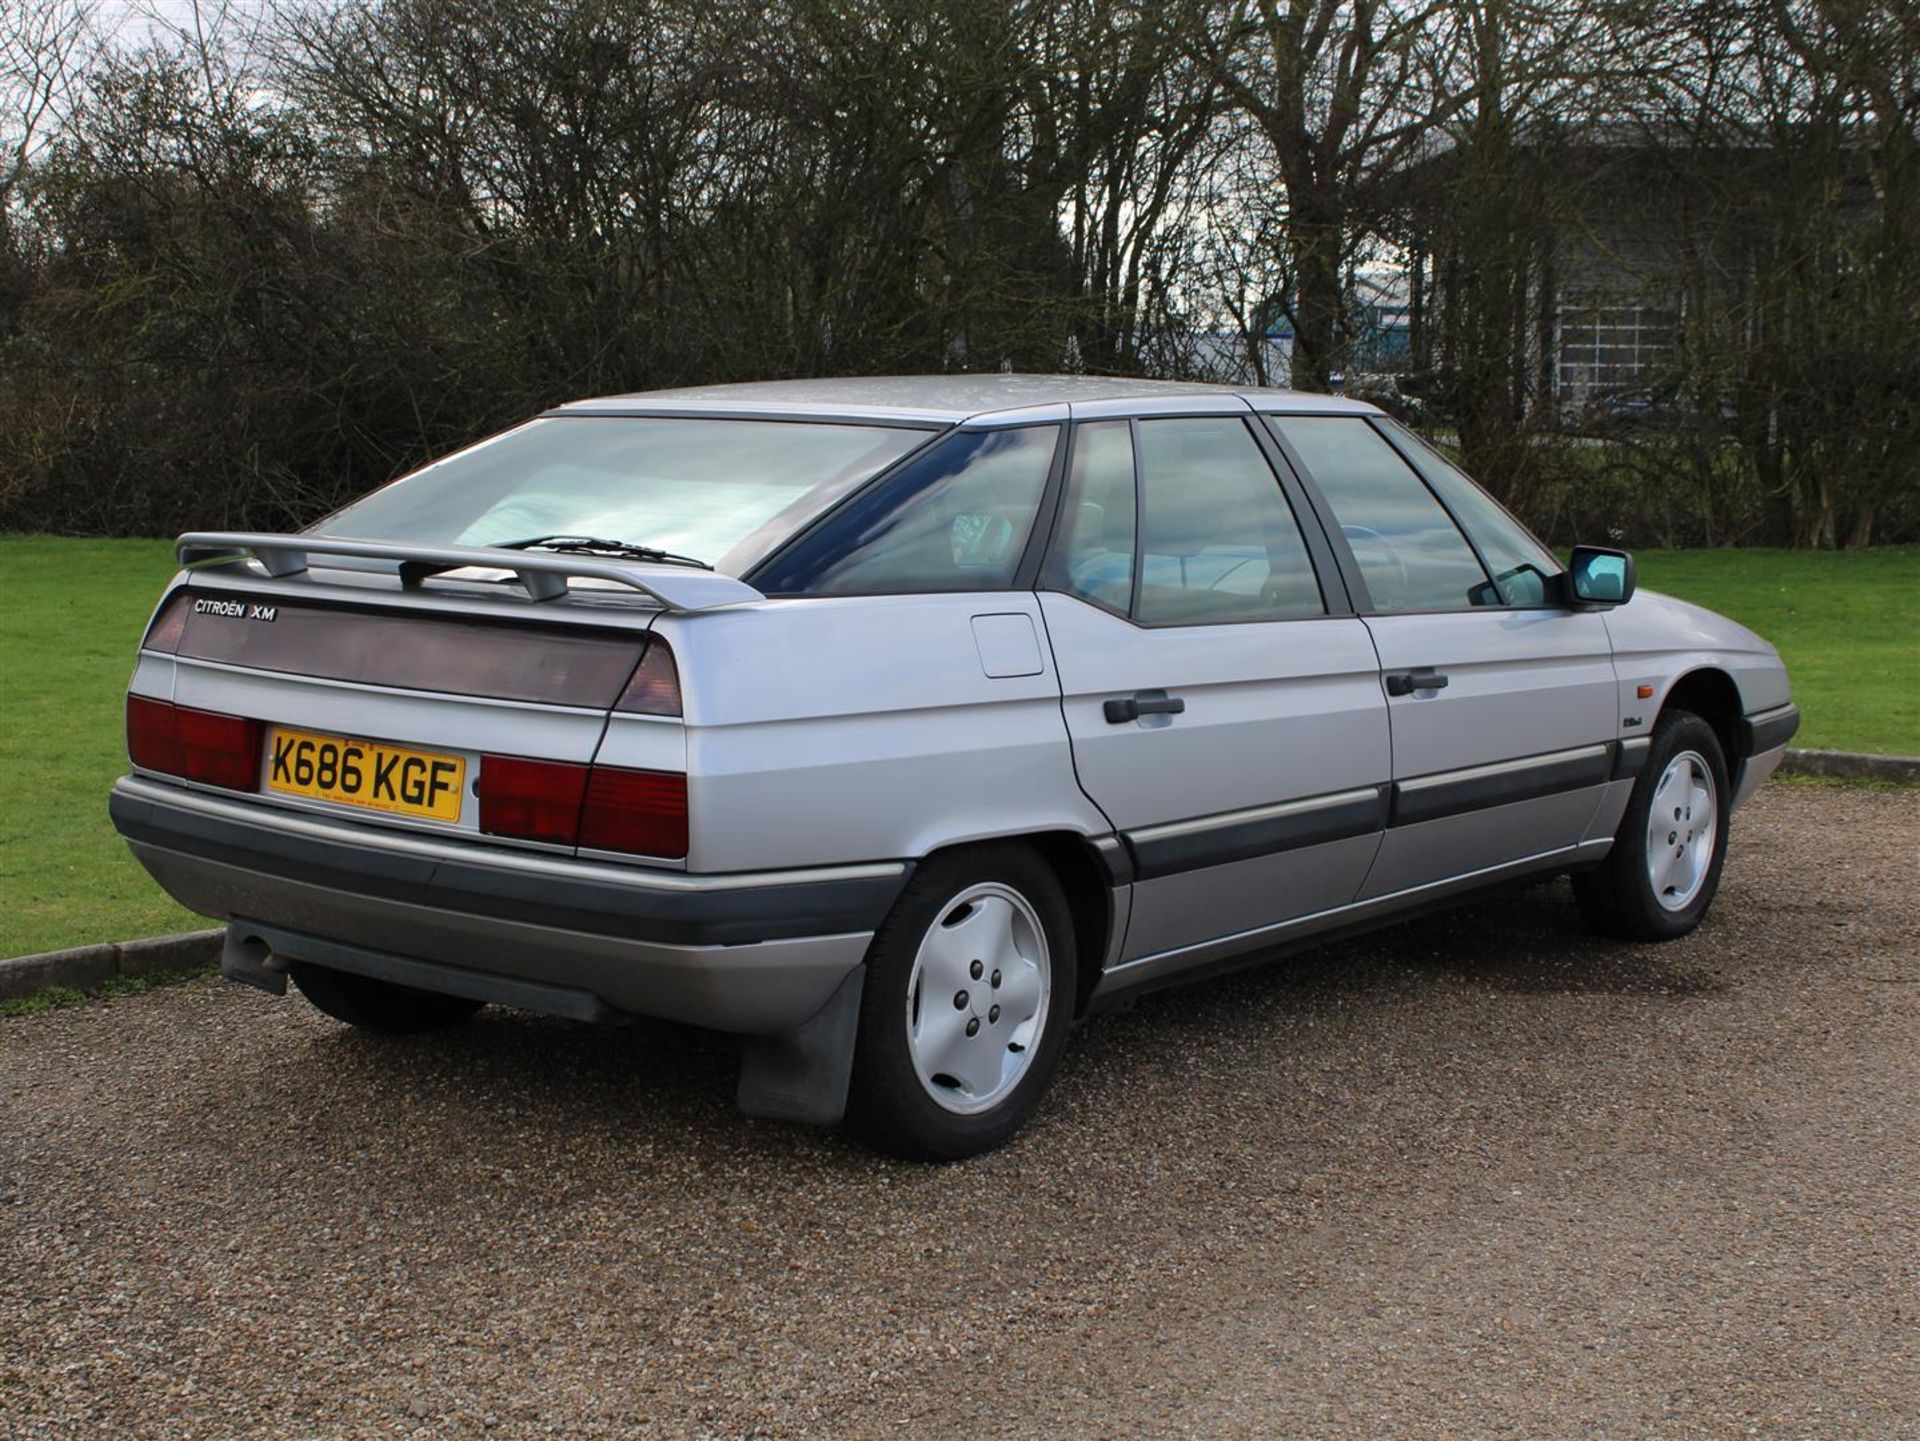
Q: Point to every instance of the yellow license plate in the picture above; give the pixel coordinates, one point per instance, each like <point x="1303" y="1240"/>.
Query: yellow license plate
<point x="378" y="777"/>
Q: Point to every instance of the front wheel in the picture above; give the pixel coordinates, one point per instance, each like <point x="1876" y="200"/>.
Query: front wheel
<point x="1661" y="875"/>
<point x="968" y="997"/>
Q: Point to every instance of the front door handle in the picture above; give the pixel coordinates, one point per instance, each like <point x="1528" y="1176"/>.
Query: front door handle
<point x="1406" y="682"/>
<point x="1143" y="702"/>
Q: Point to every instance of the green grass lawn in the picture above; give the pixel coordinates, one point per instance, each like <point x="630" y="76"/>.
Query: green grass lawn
<point x="70" y="617"/>
<point x="1848" y="627"/>
<point x="71" y="612"/>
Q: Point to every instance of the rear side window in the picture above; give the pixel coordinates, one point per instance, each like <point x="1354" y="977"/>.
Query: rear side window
<point x="1411" y="554"/>
<point x="956" y="518"/>
<point x="1218" y="541"/>
<point x="1197" y="533"/>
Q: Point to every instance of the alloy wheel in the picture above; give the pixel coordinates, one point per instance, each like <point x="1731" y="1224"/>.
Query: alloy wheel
<point x="977" y="997"/>
<point x="1682" y="831"/>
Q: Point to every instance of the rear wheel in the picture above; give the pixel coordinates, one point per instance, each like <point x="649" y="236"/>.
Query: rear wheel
<point x="968" y="997"/>
<point x="1664" y="869"/>
<point x="375" y="1005"/>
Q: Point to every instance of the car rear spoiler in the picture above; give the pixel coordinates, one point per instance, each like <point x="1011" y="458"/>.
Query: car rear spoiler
<point x="544" y="574"/>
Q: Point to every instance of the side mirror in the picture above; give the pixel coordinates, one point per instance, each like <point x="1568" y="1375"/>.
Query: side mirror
<point x="1599" y="577"/>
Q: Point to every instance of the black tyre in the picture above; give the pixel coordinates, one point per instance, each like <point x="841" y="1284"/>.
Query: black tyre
<point x="968" y="998"/>
<point x="379" y="1005"/>
<point x="1664" y="869"/>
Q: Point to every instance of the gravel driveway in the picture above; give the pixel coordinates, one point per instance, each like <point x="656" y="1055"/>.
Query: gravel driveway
<point x="1483" y="1176"/>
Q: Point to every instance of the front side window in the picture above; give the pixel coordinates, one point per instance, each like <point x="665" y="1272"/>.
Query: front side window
<point x="1218" y="541"/>
<point x="956" y="518"/>
<point x="1410" y="553"/>
<point x="1522" y="568"/>
<point x="721" y="491"/>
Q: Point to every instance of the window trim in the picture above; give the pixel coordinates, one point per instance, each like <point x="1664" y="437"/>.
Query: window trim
<point x="1139" y="572"/>
<point x="1321" y="558"/>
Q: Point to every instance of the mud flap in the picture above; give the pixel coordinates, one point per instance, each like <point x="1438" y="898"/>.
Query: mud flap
<point x="802" y="1074"/>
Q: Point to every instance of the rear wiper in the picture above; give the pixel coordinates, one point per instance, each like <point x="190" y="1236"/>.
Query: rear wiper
<point x="594" y="545"/>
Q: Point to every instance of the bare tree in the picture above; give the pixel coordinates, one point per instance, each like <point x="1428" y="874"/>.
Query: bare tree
<point x="43" y="44"/>
<point x="324" y="248"/>
<point x="1488" y="201"/>
<point x="1340" y="94"/>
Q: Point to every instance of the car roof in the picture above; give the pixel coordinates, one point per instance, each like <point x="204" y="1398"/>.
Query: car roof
<point x="944" y="399"/>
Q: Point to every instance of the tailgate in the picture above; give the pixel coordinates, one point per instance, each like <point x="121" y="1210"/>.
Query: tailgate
<point x="380" y="686"/>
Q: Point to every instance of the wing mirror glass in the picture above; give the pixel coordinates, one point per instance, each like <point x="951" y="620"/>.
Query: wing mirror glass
<point x="1600" y="577"/>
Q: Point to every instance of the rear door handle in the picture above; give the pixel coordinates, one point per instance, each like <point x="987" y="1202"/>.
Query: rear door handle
<point x="1143" y="702"/>
<point x="1406" y="682"/>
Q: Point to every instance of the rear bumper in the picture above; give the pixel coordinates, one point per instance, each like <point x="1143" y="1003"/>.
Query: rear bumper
<point x="752" y="953"/>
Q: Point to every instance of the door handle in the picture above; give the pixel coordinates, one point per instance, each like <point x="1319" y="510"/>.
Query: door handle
<point x="1142" y="702"/>
<point x="1406" y="682"/>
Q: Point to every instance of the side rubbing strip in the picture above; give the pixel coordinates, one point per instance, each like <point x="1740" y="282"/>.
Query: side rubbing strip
<point x="1629" y="756"/>
<point x="1115" y="859"/>
<point x="1449" y="793"/>
<point x="1241" y="835"/>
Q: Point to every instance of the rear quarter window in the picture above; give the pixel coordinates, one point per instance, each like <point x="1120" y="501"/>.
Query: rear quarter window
<point x="955" y="519"/>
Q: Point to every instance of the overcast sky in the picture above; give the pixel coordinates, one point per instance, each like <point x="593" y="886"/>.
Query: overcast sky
<point x="130" y="19"/>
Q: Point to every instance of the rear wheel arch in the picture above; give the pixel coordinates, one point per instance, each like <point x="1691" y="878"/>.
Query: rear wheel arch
<point x="920" y="1086"/>
<point x="1077" y="866"/>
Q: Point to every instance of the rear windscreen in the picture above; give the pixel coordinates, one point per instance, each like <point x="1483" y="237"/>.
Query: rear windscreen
<point x="720" y="491"/>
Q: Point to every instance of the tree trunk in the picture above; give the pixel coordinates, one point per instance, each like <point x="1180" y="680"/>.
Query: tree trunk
<point x="1318" y="304"/>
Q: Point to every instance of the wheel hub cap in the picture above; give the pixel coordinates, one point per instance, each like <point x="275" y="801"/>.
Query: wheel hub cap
<point x="1682" y="830"/>
<point x="977" y="998"/>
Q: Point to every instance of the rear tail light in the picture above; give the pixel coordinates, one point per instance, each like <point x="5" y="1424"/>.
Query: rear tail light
<point x="603" y="808"/>
<point x="169" y="625"/>
<point x="222" y="750"/>
<point x="153" y="737"/>
<point x="198" y="745"/>
<point x="655" y="687"/>
<point x="640" y="811"/>
<point x="531" y="800"/>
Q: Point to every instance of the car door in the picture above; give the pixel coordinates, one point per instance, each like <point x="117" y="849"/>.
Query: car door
<point x="1502" y="701"/>
<point x="1224" y="710"/>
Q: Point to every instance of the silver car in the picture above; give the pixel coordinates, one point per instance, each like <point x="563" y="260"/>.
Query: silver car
<point x="896" y="724"/>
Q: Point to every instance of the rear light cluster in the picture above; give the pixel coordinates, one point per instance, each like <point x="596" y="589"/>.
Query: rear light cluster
<point x="169" y="624"/>
<point x="604" y="808"/>
<point x="216" y="750"/>
<point x="643" y="811"/>
<point x="655" y="687"/>
<point x="601" y="808"/>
